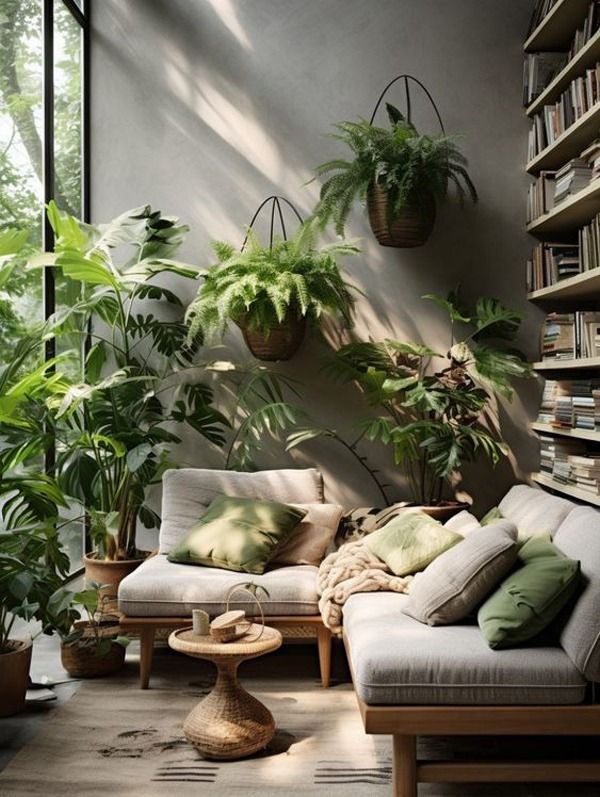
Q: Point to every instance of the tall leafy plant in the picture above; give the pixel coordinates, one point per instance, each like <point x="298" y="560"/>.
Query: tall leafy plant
<point x="435" y="416"/>
<point x="412" y="168"/>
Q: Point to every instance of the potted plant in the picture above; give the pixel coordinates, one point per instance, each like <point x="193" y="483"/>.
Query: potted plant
<point x="113" y="420"/>
<point x="434" y="419"/>
<point x="273" y="292"/>
<point x="398" y="172"/>
<point x="90" y="647"/>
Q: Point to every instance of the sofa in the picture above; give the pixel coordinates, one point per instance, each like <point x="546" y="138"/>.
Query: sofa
<point x="160" y="595"/>
<point x="413" y="679"/>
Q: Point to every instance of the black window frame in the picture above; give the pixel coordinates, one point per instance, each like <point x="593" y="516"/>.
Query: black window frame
<point x="82" y="16"/>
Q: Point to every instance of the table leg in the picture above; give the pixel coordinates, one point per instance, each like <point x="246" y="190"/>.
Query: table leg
<point x="229" y="722"/>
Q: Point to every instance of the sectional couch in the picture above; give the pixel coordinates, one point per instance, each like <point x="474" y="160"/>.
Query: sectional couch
<point x="410" y="679"/>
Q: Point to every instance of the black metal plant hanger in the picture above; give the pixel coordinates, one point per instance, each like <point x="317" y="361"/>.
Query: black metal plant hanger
<point x="276" y="204"/>
<point x="406" y="79"/>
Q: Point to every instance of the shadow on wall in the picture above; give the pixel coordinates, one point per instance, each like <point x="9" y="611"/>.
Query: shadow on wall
<point x="223" y="102"/>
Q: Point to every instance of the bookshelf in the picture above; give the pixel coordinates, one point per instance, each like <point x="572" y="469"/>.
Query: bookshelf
<point x="555" y="33"/>
<point x="556" y="29"/>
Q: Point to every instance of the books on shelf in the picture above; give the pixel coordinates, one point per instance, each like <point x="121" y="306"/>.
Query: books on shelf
<point x="569" y="336"/>
<point x="575" y="101"/>
<point x="554" y="454"/>
<point x="541" y="9"/>
<point x="539" y="70"/>
<point x="571" y="404"/>
<point x="552" y="262"/>
<point x="540" y="198"/>
<point x="571" y="178"/>
<point x="589" y="27"/>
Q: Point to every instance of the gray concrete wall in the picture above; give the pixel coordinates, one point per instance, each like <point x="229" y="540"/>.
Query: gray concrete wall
<point x="204" y="107"/>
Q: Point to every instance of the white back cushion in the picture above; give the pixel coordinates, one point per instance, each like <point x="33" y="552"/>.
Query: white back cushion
<point x="533" y="511"/>
<point x="188" y="491"/>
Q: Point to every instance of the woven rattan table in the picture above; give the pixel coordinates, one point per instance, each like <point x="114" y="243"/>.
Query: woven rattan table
<point x="229" y="722"/>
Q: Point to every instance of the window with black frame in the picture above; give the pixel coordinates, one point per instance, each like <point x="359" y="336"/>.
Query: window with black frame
<point x="44" y="144"/>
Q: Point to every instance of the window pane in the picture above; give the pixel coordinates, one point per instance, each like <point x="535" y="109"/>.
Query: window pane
<point x="68" y="161"/>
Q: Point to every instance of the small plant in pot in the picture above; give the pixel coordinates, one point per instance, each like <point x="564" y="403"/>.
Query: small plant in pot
<point x="90" y="647"/>
<point x="436" y="418"/>
<point x="399" y="173"/>
<point x="273" y="292"/>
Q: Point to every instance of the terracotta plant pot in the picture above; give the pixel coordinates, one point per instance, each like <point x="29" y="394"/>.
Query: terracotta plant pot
<point x="412" y="228"/>
<point x="82" y="661"/>
<point x="282" y="342"/>
<point x="104" y="571"/>
<point x="443" y="511"/>
<point x="14" y="677"/>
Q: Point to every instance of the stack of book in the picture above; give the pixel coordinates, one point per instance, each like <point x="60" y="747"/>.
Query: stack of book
<point x="540" y="198"/>
<point x="591" y="155"/>
<point x="541" y="8"/>
<point x="571" y="404"/>
<point x="581" y="95"/>
<point x="539" y="69"/>
<point x="589" y="245"/>
<point x="567" y="336"/>
<point x="552" y="262"/>
<point x="584" y="472"/>
<point x="585" y="33"/>
<point x="554" y="453"/>
<point x="571" y="178"/>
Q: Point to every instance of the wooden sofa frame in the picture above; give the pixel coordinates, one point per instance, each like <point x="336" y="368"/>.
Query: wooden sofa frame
<point x="147" y="627"/>
<point x="405" y="723"/>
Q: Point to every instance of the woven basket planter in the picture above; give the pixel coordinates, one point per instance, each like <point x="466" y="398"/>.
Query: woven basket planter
<point x="14" y="677"/>
<point x="412" y="228"/>
<point x="83" y="661"/>
<point x="282" y="342"/>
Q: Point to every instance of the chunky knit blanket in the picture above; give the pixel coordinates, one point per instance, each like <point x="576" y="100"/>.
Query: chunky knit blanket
<point x="352" y="568"/>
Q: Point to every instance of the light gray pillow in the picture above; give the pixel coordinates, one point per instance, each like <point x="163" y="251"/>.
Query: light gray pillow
<point x="462" y="577"/>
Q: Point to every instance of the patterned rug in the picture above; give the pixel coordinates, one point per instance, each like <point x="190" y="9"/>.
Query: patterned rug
<point x="111" y="738"/>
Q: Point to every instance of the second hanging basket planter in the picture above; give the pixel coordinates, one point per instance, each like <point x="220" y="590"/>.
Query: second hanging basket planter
<point x="411" y="228"/>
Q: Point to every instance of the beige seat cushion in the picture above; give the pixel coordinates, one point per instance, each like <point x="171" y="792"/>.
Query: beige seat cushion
<point x="159" y="588"/>
<point x="187" y="492"/>
<point x="397" y="660"/>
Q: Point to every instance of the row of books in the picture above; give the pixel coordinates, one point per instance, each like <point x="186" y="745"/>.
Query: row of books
<point x="570" y="336"/>
<point x="541" y="9"/>
<point x="571" y="404"/>
<point x="552" y="262"/>
<point x="540" y="69"/>
<point x="554" y="119"/>
<point x="570" y="463"/>
<point x="590" y="25"/>
<point x="550" y="188"/>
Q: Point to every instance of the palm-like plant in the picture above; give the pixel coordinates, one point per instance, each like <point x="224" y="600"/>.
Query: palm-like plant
<point x="436" y="421"/>
<point x="262" y="286"/>
<point x="412" y="168"/>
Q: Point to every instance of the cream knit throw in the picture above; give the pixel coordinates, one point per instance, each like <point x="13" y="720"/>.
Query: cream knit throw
<point x="352" y="568"/>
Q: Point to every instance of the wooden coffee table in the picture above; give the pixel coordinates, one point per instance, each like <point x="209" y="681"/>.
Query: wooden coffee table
<point x="229" y="722"/>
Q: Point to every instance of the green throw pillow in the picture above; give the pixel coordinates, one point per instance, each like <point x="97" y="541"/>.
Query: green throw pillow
<point x="492" y="516"/>
<point x="530" y="598"/>
<point x="410" y="542"/>
<point x="238" y="534"/>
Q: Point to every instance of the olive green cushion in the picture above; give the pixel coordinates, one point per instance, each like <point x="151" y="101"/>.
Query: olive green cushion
<point x="238" y="534"/>
<point x="410" y="542"/>
<point x="529" y="599"/>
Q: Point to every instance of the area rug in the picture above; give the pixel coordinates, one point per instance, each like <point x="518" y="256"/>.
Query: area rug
<point x="113" y="738"/>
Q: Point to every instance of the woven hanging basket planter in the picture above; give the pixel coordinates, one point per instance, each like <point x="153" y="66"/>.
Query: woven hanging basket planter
<point x="282" y="342"/>
<point x="412" y="228"/>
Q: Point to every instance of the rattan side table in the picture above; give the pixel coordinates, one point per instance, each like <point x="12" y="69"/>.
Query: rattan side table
<point x="229" y="722"/>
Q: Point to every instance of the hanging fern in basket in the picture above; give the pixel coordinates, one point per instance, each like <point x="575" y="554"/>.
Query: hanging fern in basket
<point x="412" y="168"/>
<point x="264" y="285"/>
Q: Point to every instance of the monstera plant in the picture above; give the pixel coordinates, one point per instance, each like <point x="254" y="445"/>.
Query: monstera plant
<point x="435" y="407"/>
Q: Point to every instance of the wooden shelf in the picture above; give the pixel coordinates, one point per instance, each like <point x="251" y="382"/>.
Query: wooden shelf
<point x="566" y="489"/>
<point x="585" y="286"/>
<point x="564" y="365"/>
<point x="569" y="144"/>
<point x="578" y="434"/>
<point x="586" y="58"/>
<point x="556" y="30"/>
<point x="570" y="214"/>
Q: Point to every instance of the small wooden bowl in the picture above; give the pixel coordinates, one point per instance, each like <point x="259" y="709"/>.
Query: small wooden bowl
<point x="230" y="626"/>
